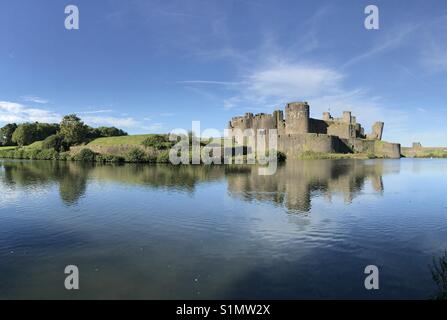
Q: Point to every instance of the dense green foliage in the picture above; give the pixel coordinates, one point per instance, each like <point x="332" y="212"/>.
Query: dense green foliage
<point x="56" y="142"/>
<point x="30" y="154"/>
<point x="104" y="132"/>
<point x="158" y="142"/>
<point x="59" y="137"/>
<point x="136" y="155"/>
<point x="163" y="157"/>
<point x="85" y="155"/>
<point x="73" y="130"/>
<point x="28" y="133"/>
<point x="6" y="134"/>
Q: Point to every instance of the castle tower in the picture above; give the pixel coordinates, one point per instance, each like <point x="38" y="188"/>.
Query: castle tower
<point x="378" y="130"/>
<point x="297" y="118"/>
<point x="347" y="116"/>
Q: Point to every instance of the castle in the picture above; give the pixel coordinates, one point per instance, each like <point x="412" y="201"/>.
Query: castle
<point x="297" y="132"/>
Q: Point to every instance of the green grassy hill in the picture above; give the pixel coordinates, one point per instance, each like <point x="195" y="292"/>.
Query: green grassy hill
<point x="35" y="145"/>
<point x="135" y="140"/>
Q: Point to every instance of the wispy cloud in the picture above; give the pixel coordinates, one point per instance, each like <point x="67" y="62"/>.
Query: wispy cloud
<point x="35" y="99"/>
<point x="225" y="83"/>
<point x="393" y="40"/>
<point x="95" y="111"/>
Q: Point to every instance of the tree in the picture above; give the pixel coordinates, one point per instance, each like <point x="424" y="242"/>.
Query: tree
<point x="111" y="132"/>
<point x="73" y="130"/>
<point x="56" y="142"/>
<point x="25" y="134"/>
<point x="103" y="132"/>
<point x="6" y="134"/>
<point x="28" y="133"/>
<point x="44" y="130"/>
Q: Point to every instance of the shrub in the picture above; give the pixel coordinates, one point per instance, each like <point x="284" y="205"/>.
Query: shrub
<point x="48" y="154"/>
<point x="64" y="156"/>
<point x="163" y="157"/>
<point x="56" y="142"/>
<point x="158" y="141"/>
<point x="136" y="155"/>
<point x="281" y="156"/>
<point x="86" y="155"/>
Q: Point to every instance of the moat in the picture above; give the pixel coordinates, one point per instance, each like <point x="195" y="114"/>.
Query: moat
<point x="197" y="232"/>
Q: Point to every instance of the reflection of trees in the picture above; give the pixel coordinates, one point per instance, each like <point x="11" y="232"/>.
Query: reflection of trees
<point x="71" y="177"/>
<point x="182" y="178"/>
<point x="295" y="182"/>
<point x="439" y="274"/>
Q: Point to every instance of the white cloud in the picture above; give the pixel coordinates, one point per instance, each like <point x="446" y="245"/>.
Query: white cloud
<point x="128" y="122"/>
<point x="292" y="80"/>
<point x="278" y="82"/>
<point x="16" y="112"/>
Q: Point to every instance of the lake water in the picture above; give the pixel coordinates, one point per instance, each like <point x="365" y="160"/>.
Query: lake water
<point x="163" y="232"/>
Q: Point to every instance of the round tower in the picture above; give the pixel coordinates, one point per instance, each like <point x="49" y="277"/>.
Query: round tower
<point x="297" y="118"/>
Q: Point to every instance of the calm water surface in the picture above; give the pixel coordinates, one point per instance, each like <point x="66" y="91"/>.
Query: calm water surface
<point x="195" y="232"/>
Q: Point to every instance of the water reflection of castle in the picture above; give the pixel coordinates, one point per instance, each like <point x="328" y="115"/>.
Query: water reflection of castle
<point x="294" y="185"/>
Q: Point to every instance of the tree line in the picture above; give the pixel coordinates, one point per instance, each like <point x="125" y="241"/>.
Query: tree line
<point x="59" y="136"/>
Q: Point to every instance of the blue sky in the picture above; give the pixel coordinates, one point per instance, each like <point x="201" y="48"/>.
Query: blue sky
<point x="152" y="66"/>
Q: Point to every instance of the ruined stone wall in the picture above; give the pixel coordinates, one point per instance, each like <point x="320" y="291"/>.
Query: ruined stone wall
<point x="378" y="148"/>
<point x="294" y="144"/>
<point x="387" y="149"/>
<point x="341" y="130"/>
<point x="263" y="121"/>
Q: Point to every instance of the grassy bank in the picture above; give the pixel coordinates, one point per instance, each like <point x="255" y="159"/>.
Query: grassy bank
<point x="135" y="140"/>
<point x="311" y="155"/>
<point x="7" y="148"/>
<point x="149" y="148"/>
<point x="424" y="153"/>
